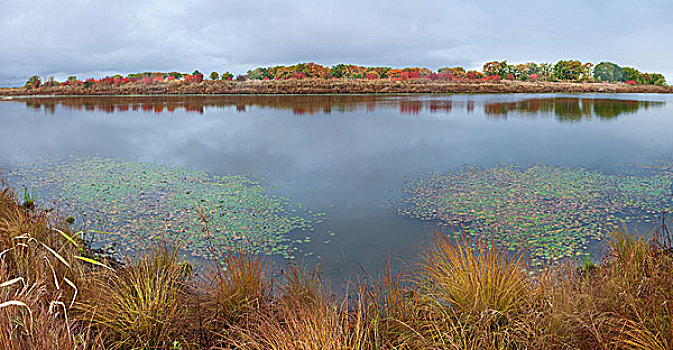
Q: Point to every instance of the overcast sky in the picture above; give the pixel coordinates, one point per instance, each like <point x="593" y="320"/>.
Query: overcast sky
<point x="97" y="38"/>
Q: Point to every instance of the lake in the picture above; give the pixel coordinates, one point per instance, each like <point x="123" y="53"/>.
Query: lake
<point x="350" y="158"/>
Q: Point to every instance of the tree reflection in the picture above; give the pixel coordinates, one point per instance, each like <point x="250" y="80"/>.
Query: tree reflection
<point x="565" y="109"/>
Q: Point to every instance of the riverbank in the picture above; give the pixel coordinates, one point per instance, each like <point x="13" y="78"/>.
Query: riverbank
<point x="326" y="86"/>
<point x="55" y="293"/>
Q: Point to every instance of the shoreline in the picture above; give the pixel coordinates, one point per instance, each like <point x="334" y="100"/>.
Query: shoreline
<point x="331" y="87"/>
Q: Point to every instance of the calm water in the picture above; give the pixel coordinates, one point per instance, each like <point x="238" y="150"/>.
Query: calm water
<point x="347" y="156"/>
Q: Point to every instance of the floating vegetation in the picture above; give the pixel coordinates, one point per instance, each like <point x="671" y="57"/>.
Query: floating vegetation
<point x="554" y="212"/>
<point x="135" y="205"/>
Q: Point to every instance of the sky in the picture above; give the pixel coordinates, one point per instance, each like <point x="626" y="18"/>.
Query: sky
<point x="99" y="38"/>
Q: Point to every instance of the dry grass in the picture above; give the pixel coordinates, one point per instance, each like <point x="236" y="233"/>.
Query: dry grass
<point x="140" y="306"/>
<point x="39" y="273"/>
<point x="468" y="279"/>
<point x="306" y="321"/>
<point x="457" y="295"/>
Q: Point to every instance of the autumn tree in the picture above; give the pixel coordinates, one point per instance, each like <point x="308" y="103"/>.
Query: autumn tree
<point x="568" y="70"/>
<point x="454" y="72"/>
<point x="351" y="71"/>
<point x="33" y="82"/>
<point x="587" y="72"/>
<point x="496" y="68"/>
<point x="214" y="76"/>
<point x="259" y="73"/>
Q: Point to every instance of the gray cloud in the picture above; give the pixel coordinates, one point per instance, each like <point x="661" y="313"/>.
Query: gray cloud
<point x="94" y="38"/>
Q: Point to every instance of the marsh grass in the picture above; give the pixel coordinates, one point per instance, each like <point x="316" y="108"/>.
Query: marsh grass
<point x="39" y="273"/>
<point x="55" y="293"/>
<point x="142" y="305"/>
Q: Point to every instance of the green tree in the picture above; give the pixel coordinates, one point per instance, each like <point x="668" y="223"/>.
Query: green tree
<point x="568" y="70"/>
<point x="658" y="79"/>
<point x="608" y="71"/>
<point x="546" y="71"/>
<point x="338" y="70"/>
<point x="196" y="72"/>
<point x="631" y="73"/>
<point x="651" y="79"/>
<point x="214" y="76"/>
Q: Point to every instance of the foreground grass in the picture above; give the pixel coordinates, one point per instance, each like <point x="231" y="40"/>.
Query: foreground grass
<point x="56" y="294"/>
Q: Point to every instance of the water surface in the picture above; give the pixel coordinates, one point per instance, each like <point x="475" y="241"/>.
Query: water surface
<point x="348" y="156"/>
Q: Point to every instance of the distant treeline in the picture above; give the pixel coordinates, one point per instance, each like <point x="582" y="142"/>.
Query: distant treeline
<point x="564" y="70"/>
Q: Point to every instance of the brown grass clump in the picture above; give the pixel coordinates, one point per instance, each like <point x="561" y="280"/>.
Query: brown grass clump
<point x="142" y="305"/>
<point x="229" y="292"/>
<point x="460" y="297"/>
<point x="303" y="317"/>
<point x="468" y="279"/>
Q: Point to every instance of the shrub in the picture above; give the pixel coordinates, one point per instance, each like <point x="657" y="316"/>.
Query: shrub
<point x="474" y="75"/>
<point x="297" y="75"/>
<point x="452" y="72"/>
<point x="147" y="80"/>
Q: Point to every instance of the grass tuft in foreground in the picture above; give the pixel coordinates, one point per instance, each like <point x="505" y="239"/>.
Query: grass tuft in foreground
<point x="55" y="293"/>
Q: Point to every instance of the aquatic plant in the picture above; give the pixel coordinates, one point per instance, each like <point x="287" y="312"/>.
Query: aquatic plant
<point x="553" y="211"/>
<point x="137" y="205"/>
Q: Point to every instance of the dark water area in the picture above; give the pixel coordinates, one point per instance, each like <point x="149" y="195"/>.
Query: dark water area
<point x="348" y="156"/>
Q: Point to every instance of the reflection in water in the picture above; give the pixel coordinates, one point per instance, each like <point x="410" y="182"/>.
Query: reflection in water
<point x="569" y="108"/>
<point x="564" y="108"/>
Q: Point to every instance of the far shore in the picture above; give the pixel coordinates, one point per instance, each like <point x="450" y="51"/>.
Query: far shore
<point x="325" y="86"/>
